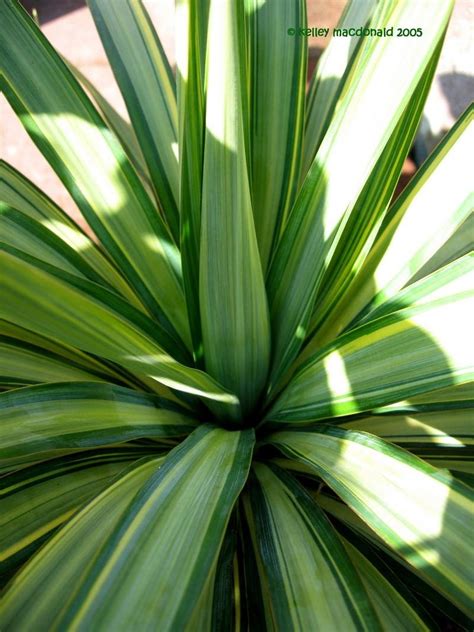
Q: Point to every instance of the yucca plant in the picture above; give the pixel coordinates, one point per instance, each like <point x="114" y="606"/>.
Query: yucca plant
<point x="246" y="402"/>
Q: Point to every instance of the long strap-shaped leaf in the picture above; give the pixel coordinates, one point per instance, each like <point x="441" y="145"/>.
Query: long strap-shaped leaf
<point x="276" y="113"/>
<point x="20" y="338"/>
<point x="82" y="315"/>
<point x="419" y="511"/>
<point x="397" y="615"/>
<point x="38" y="499"/>
<point x="404" y="577"/>
<point x="363" y="123"/>
<point x="455" y="277"/>
<point x="419" y="431"/>
<point x="121" y="128"/>
<point x="81" y="415"/>
<point x="191" y="30"/>
<point x="309" y="578"/>
<point x="77" y="542"/>
<point x="234" y="312"/>
<point x="33" y="238"/>
<point x="156" y="562"/>
<point x="330" y="76"/>
<point x="101" y="294"/>
<point x="440" y="432"/>
<point x="370" y="209"/>
<point x="94" y="168"/>
<point x="460" y="243"/>
<point x="406" y="353"/>
<point x="20" y="193"/>
<point x="144" y="77"/>
<point x="22" y="364"/>
<point x="412" y="233"/>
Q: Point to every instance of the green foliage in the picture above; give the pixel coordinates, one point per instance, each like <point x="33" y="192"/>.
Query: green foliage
<point x="246" y="403"/>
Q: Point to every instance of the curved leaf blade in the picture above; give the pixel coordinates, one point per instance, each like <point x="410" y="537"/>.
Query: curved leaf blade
<point x="330" y="77"/>
<point x="94" y="168"/>
<point x="276" y="113"/>
<point x="398" y="356"/>
<point x="420" y="512"/>
<point x="187" y="501"/>
<point x="20" y="193"/>
<point x="307" y="575"/>
<point x="78" y="542"/>
<point x="378" y="95"/>
<point x="234" y="313"/>
<point x="147" y="86"/>
<point x="77" y="415"/>
<point x="91" y="321"/>
<point x="411" y="233"/>
<point x="38" y="499"/>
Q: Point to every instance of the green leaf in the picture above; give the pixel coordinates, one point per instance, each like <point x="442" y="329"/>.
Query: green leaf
<point x="234" y="314"/>
<point x="20" y="193"/>
<point x="77" y="415"/>
<point x="90" y="161"/>
<point x="147" y="86"/>
<point x="359" y="131"/>
<point x="307" y="575"/>
<point x="251" y="602"/>
<point x="223" y="595"/>
<point x="460" y="243"/>
<point x="361" y="229"/>
<point x="400" y="355"/>
<point x="98" y="323"/>
<point x="43" y="348"/>
<point x="423" y="599"/>
<point x="436" y="426"/>
<point x="38" y="499"/>
<point x="277" y="77"/>
<point x="412" y="233"/>
<point x="122" y="128"/>
<point x="451" y="428"/>
<point x="420" y="512"/>
<point x="33" y="238"/>
<point x="22" y="364"/>
<point x="191" y="25"/>
<point x="187" y="502"/>
<point x="331" y="76"/>
<point x="451" y="279"/>
<point x="78" y="541"/>
<point x="396" y="614"/>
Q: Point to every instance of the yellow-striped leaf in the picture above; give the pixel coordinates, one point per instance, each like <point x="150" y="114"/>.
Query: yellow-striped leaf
<point x="420" y="512"/>
<point x="400" y="355"/>
<point x="75" y="416"/>
<point x="38" y="499"/>
<point x="191" y="31"/>
<point x="62" y="121"/>
<point x="20" y="193"/>
<point x="412" y="233"/>
<point x="306" y="573"/>
<point x="277" y="78"/>
<point x="330" y="77"/>
<point x="143" y="74"/>
<point x="234" y="314"/>
<point x="175" y="523"/>
<point x="359" y="131"/>
<point x="88" y="318"/>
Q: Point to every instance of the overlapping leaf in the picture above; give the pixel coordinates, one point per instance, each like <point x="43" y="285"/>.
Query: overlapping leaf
<point x="417" y="510"/>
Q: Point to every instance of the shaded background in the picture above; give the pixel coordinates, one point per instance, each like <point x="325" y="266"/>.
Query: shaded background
<point x="69" y="27"/>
